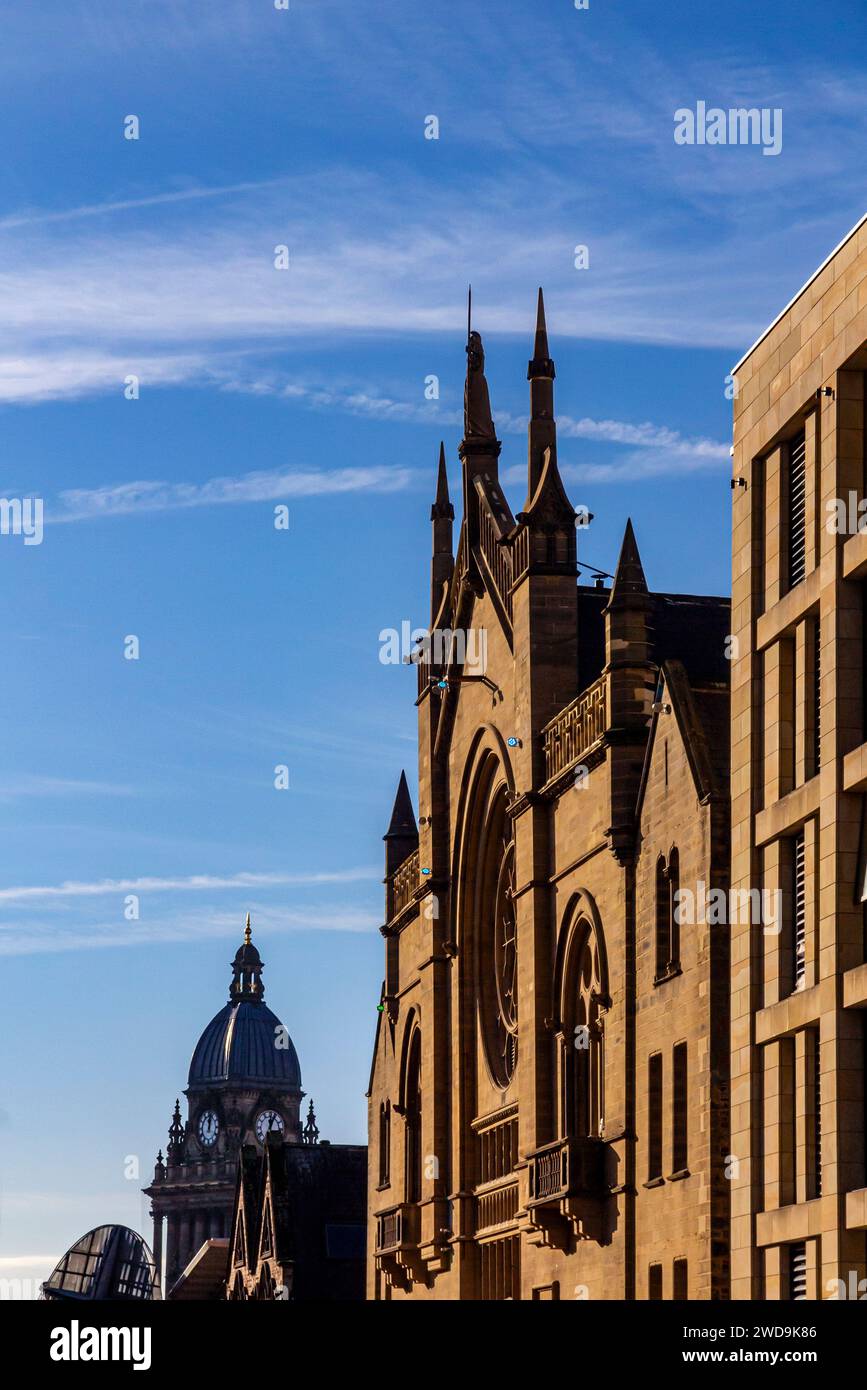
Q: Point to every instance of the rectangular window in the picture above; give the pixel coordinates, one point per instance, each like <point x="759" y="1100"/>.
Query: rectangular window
<point x="679" y="1109"/>
<point x="797" y="531"/>
<point x="501" y="1270"/>
<point x="654" y="1283"/>
<point x="814" y="1113"/>
<point x="797" y="1271"/>
<point x="816" y="633"/>
<point x="681" y="1280"/>
<point x="799" y="914"/>
<point x="788" y="1121"/>
<point x="654" y="1117"/>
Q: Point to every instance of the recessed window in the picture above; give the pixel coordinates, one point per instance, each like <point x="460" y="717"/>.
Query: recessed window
<point x="384" y="1142"/>
<point x="799" y="913"/>
<point x="797" y="1272"/>
<point x="679" y="1109"/>
<point x="796" y="478"/>
<point x="667" y="924"/>
<point x="654" y="1117"/>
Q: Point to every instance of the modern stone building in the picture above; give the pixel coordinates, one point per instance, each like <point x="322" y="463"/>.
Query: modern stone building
<point x="799" y="778"/>
<point x="549" y="1091"/>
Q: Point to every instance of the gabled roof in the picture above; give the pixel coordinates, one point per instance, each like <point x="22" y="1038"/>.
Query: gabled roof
<point x="702" y="719"/>
<point x="245" y="1232"/>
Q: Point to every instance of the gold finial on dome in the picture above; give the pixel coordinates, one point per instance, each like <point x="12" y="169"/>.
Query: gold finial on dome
<point x="247" y="931"/>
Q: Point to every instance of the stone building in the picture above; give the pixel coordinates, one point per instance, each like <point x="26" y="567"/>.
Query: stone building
<point x="548" y="1103"/>
<point x="298" y="1228"/>
<point x="799" y="779"/>
<point x="244" y="1082"/>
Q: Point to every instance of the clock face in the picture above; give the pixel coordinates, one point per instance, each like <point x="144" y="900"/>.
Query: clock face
<point x="209" y="1128"/>
<point x="268" y="1121"/>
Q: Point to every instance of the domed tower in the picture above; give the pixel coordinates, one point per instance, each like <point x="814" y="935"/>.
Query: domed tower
<point x="244" y="1082"/>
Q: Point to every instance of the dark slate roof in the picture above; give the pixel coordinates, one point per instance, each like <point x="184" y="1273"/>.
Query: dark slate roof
<point x="239" y="1045"/>
<point x="691" y="628"/>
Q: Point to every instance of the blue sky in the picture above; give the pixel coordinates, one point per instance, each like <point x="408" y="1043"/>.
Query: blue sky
<point x="259" y="647"/>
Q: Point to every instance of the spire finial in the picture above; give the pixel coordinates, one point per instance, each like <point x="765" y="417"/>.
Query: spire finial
<point x="442" y="506"/>
<point x="541" y="327"/>
<point x="246" y="971"/>
<point x="629" y="583"/>
<point x="541" y="364"/>
<point x="310" y="1132"/>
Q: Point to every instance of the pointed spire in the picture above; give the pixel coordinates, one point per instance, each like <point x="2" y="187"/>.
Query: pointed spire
<point x="629" y="581"/>
<point x="540" y="364"/>
<point x="247" y="931"/>
<point x="402" y="817"/>
<point x="442" y="508"/>
<point x="442" y="515"/>
<point x="401" y="837"/>
<point x="542" y="433"/>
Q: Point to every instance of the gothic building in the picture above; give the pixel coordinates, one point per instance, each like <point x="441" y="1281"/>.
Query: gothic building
<point x="548" y="1102"/>
<point x="298" y="1228"/>
<point x="244" y="1082"/>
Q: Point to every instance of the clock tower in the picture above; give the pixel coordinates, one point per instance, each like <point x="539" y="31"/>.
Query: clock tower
<point x="244" y="1083"/>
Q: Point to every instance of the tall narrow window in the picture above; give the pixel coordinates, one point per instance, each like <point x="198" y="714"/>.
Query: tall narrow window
<point x="413" y="1121"/>
<point x="662" y="926"/>
<point x="799" y="914"/>
<point x="679" y="1109"/>
<point x="797" y="1271"/>
<point x="814" y="1113"/>
<point x="667" y="924"/>
<point x="674" y="927"/>
<point x="680" y="1280"/>
<point x="654" y="1283"/>
<point x="584" y="1053"/>
<point x="817" y="696"/>
<point x="654" y="1117"/>
<point x="797" y="536"/>
<point x="384" y="1142"/>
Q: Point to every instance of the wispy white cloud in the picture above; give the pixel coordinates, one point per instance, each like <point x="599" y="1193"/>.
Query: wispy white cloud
<point x="52" y="936"/>
<point x="669" y="450"/>
<point x="32" y="785"/>
<point x="40" y="217"/>
<point x="181" y="884"/>
<point x="126" y="499"/>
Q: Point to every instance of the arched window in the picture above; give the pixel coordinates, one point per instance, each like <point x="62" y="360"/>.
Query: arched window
<point x="674" y="889"/>
<point x="384" y="1142"/>
<point x="498" y="941"/>
<point x="667" y="925"/>
<point x="662" y="928"/>
<point x="413" y="1120"/>
<point x="583" y="1002"/>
